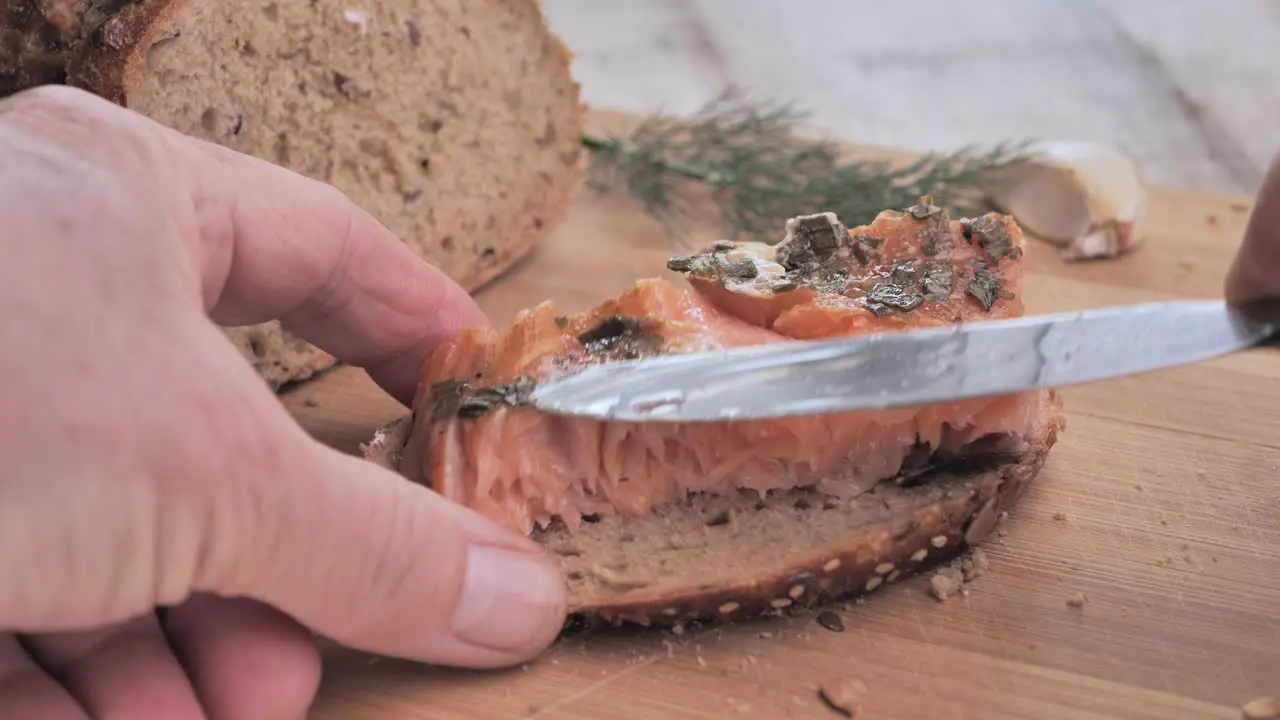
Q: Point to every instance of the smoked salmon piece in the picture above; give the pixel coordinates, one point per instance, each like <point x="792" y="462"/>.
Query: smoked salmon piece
<point x="476" y="442"/>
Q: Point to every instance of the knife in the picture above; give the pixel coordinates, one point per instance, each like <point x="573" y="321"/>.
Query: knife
<point x="917" y="367"/>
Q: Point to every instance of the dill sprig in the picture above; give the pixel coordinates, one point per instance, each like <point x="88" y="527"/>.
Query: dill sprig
<point x="758" y="171"/>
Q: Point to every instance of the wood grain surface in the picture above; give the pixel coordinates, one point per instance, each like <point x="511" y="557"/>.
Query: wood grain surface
<point x="1190" y="88"/>
<point x="1160" y="504"/>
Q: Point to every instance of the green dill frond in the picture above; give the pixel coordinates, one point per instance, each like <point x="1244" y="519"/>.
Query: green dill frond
<point x="758" y="172"/>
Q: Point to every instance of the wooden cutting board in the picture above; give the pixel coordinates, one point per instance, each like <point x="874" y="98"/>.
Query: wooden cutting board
<point x="1160" y="505"/>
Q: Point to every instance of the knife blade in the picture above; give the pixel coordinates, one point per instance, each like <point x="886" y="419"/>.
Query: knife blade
<point x="909" y="368"/>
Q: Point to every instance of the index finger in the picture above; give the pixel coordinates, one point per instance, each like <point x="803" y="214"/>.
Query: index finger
<point x="1255" y="272"/>
<point x="275" y="244"/>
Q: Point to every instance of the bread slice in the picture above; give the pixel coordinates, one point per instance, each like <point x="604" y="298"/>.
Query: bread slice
<point x="732" y="558"/>
<point x="455" y="122"/>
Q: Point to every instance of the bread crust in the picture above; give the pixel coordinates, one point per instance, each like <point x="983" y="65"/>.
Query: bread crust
<point x="942" y="518"/>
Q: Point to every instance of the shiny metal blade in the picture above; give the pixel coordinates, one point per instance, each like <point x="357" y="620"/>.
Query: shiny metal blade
<point x="906" y="368"/>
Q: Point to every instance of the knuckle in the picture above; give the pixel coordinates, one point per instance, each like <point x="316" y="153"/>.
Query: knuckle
<point x="96" y="129"/>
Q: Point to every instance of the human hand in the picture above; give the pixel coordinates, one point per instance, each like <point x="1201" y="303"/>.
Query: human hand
<point x="1255" y="271"/>
<point x="143" y="463"/>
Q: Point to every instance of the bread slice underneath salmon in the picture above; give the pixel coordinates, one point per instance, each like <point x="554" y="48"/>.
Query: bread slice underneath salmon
<point x="669" y="523"/>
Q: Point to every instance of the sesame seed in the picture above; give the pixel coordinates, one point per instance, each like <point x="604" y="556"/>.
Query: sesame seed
<point x="728" y="607"/>
<point x="831" y="565"/>
<point x="938" y="541"/>
<point x="919" y="555"/>
<point x="874" y="583"/>
<point x="796" y="591"/>
<point x="884" y="568"/>
<point x="780" y="603"/>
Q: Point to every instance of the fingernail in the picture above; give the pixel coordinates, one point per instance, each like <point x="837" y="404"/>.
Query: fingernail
<point x="511" y="601"/>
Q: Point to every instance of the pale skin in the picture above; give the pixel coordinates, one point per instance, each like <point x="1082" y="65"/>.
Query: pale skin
<point x="144" y="465"/>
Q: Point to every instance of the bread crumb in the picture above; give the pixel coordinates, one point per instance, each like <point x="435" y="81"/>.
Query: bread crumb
<point x="974" y="565"/>
<point x="1138" y="487"/>
<point x="766" y="635"/>
<point x="1240" y="207"/>
<point x="311" y="402"/>
<point x="843" y="695"/>
<point x="946" y="582"/>
<point x="701" y="662"/>
<point x="1263" y="708"/>
<point x="1060" y="516"/>
<point x="677" y="630"/>
<point x="671" y="649"/>
<point x="1078" y="600"/>
<point x="1212" y="220"/>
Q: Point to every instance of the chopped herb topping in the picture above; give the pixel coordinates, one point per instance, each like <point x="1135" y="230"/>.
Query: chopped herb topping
<point x="561" y="321"/>
<point x="784" y="286"/>
<point x="715" y="265"/>
<point x="681" y="263"/>
<point x="619" y="337"/>
<point x="924" y="209"/>
<point x="822" y="280"/>
<point x="992" y="235"/>
<point x="742" y="269"/>
<point x="454" y="398"/>
<point x="905" y="273"/>
<point x="863" y="245"/>
<point x="937" y="280"/>
<point x="985" y="286"/>
<point x="894" y="296"/>
<point x="810" y="239"/>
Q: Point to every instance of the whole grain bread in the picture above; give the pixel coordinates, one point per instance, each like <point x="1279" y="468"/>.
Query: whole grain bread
<point x="744" y="556"/>
<point x="455" y="122"/>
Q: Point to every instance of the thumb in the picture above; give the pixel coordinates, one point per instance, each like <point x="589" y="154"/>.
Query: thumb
<point x="360" y="554"/>
<point x="1255" y="272"/>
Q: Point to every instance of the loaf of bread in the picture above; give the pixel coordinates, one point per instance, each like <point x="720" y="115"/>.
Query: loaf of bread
<point x="455" y="122"/>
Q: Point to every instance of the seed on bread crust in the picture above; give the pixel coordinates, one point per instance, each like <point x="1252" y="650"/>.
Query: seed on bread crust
<point x="939" y="541"/>
<point x="919" y="555"/>
<point x="831" y="621"/>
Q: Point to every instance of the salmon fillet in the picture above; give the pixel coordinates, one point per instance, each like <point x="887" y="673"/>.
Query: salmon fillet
<point x="477" y="443"/>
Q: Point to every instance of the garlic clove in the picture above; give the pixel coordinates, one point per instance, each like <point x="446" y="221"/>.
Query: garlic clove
<point x="1086" y="198"/>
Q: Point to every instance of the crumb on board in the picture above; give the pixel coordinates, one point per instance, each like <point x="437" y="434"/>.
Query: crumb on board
<point x="946" y="582"/>
<point x="1186" y="265"/>
<point x="954" y="578"/>
<point x="1212" y="220"/>
<point x="843" y="695"/>
<point x="1060" y="516"/>
<point x="1263" y="708"/>
<point x="1240" y="207"/>
<point x="311" y="402"/>
<point x="1078" y="600"/>
<point x="974" y="565"/>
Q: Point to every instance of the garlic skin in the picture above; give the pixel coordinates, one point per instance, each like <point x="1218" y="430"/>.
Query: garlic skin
<point x="1086" y="198"/>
